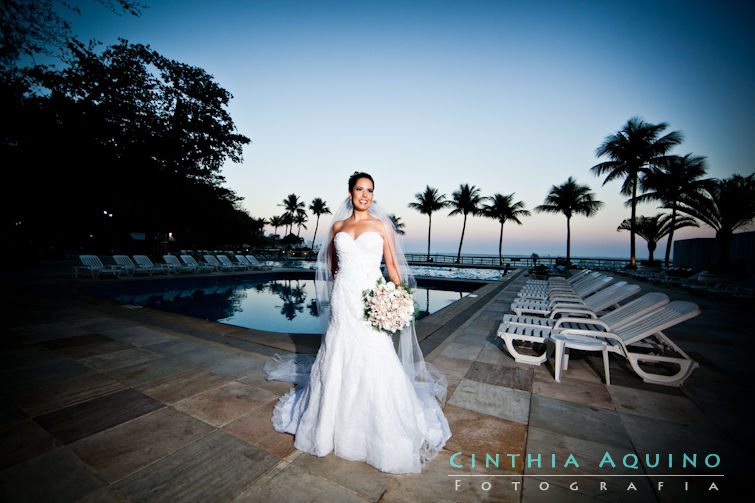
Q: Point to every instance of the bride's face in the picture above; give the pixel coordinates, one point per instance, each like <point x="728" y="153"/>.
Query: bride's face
<point x="361" y="194"/>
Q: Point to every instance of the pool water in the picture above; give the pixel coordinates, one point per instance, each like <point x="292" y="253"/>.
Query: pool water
<point x="276" y="305"/>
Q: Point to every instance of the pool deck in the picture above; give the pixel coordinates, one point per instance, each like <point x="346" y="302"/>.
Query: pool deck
<point x="103" y="403"/>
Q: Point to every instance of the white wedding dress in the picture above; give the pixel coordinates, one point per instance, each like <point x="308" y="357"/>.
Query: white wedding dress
<point x="358" y="401"/>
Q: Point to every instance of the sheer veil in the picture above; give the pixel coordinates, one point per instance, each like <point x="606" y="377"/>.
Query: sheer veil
<point x="429" y="383"/>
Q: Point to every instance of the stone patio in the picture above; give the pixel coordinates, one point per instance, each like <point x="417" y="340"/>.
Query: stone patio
<point x="101" y="403"/>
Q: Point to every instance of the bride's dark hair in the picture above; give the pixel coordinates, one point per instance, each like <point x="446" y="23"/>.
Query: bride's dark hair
<point x="356" y="176"/>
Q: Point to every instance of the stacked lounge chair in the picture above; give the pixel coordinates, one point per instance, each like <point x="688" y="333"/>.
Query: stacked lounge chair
<point x="568" y="321"/>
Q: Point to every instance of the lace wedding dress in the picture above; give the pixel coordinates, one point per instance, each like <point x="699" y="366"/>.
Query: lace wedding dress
<point x="358" y="400"/>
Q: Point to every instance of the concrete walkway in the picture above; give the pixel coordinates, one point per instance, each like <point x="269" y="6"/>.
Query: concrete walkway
<point x="99" y="405"/>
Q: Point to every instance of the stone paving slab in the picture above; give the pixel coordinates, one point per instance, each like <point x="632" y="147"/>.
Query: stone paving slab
<point x="119" y="451"/>
<point x="577" y="420"/>
<point x="57" y="476"/>
<point x="79" y="421"/>
<point x="215" y="468"/>
<point x="506" y="403"/>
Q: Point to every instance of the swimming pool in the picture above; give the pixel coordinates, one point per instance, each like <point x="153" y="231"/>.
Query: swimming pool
<point x="274" y="302"/>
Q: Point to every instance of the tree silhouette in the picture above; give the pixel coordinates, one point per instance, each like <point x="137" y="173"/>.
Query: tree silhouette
<point x="292" y="205"/>
<point x="276" y="221"/>
<point x="427" y="203"/>
<point x="465" y="201"/>
<point x="633" y="150"/>
<point x="570" y="198"/>
<point x="318" y="207"/>
<point x="725" y="205"/>
<point x="652" y="229"/>
<point x="126" y="130"/>
<point x="300" y="219"/>
<point x="503" y="208"/>
<point x="398" y="225"/>
<point x="668" y="183"/>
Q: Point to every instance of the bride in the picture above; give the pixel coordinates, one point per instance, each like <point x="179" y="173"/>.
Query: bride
<point x="360" y="398"/>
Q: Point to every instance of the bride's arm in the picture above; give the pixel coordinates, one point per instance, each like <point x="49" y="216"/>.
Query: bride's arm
<point x="389" y="254"/>
<point x="332" y="255"/>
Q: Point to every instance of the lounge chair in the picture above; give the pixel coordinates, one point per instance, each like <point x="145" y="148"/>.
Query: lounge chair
<point x="640" y="341"/>
<point x="176" y="266"/>
<point x="241" y="260"/>
<point x="256" y="263"/>
<point x="559" y="280"/>
<point x="94" y="266"/>
<point x="595" y="303"/>
<point x="191" y="261"/>
<point x="145" y="263"/>
<point x="213" y="261"/>
<point x="127" y="265"/>
<point x="227" y="265"/>
<point x="532" y="329"/>
<point x="581" y="289"/>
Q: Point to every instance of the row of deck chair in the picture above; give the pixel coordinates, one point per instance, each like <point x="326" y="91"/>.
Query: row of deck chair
<point x="142" y="264"/>
<point x="633" y="330"/>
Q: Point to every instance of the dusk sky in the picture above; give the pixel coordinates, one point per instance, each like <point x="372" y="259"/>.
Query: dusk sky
<point x="508" y="96"/>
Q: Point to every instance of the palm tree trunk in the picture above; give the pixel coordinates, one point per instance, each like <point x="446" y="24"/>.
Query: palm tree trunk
<point x="568" y="241"/>
<point x="670" y="237"/>
<point x="315" y="234"/>
<point x="651" y="250"/>
<point x="275" y="231"/>
<point x="429" y="226"/>
<point x="463" y="228"/>
<point x="632" y="254"/>
<point x="500" y="243"/>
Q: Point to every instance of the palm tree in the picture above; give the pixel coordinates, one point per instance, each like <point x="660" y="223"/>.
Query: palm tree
<point x="675" y="176"/>
<point x="632" y="150"/>
<point x="276" y="221"/>
<point x="503" y="208"/>
<point x="288" y="222"/>
<point x="570" y="198"/>
<point x="464" y="201"/>
<point x="292" y="205"/>
<point x="726" y="205"/>
<point x="300" y="219"/>
<point x="427" y="203"/>
<point x="398" y="224"/>
<point x="318" y="207"/>
<point x="652" y="229"/>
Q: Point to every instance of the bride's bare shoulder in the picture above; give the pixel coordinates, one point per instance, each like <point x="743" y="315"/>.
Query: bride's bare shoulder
<point x="337" y="226"/>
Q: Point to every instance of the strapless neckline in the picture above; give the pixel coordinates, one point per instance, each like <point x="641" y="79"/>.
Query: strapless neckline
<point x="359" y="236"/>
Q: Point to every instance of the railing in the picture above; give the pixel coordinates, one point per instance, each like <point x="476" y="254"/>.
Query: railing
<point x="478" y="261"/>
<point x="484" y="261"/>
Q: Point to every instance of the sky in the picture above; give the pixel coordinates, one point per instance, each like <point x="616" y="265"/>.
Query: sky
<point x="509" y="96"/>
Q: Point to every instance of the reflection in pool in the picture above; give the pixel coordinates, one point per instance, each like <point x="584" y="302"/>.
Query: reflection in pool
<point x="275" y="305"/>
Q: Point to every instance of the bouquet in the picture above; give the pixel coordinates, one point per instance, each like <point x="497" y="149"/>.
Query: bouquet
<point x="388" y="307"/>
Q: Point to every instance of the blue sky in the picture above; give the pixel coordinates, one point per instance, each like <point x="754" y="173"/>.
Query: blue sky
<point x="508" y="96"/>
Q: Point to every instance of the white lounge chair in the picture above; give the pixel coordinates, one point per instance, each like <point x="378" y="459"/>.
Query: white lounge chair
<point x="640" y="341"/>
<point x="595" y="303"/>
<point x="533" y="329"/>
<point x="227" y="265"/>
<point x="256" y="263"/>
<point x="582" y="289"/>
<point x="94" y="266"/>
<point x="559" y="280"/>
<point x="146" y="263"/>
<point x="127" y="265"/>
<point x="176" y="266"/>
<point x="213" y="261"/>
<point x="241" y="260"/>
<point x="191" y="261"/>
